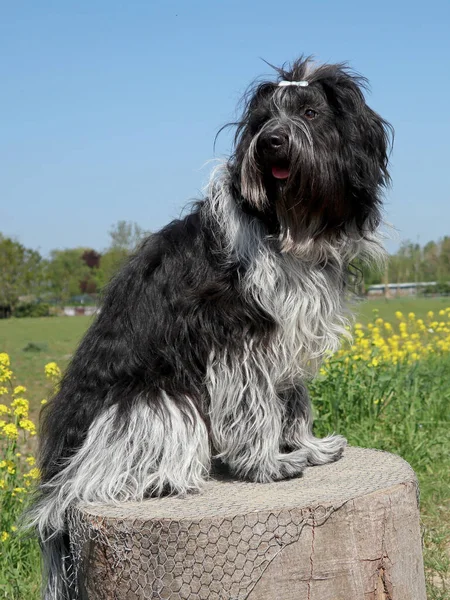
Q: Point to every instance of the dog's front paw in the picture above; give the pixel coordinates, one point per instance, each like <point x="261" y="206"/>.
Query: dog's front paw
<point x="325" y="450"/>
<point x="283" y="466"/>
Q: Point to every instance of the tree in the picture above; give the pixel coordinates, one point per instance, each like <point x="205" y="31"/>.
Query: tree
<point x="91" y="258"/>
<point x="110" y="262"/>
<point x="126" y="236"/>
<point x="65" y="271"/>
<point x="21" y="271"/>
<point x="430" y="261"/>
<point x="444" y="260"/>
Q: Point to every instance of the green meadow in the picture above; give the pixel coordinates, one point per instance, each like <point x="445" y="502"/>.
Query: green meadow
<point x="31" y="343"/>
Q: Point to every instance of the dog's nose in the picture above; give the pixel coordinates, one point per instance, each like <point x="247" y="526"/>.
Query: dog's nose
<point x="276" y="140"/>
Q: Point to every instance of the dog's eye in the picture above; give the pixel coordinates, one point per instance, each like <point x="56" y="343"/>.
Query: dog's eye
<point x="310" y="113"/>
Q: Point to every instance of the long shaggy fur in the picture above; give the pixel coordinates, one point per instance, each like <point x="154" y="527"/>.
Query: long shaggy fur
<point x="207" y="336"/>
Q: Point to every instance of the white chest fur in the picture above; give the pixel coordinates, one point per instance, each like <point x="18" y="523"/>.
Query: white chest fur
<point x="306" y="300"/>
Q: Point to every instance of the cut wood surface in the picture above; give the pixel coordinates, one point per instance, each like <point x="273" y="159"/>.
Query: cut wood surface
<point x="344" y="531"/>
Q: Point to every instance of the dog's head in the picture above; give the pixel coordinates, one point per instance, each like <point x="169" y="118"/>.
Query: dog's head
<point x="310" y="156"/>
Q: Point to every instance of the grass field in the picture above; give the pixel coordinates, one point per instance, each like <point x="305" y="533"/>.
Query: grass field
<point x="401" y="407"/>
<point x="56" y="336"/>
<point x="387" y="308"/>
<point x="59" y="336"/>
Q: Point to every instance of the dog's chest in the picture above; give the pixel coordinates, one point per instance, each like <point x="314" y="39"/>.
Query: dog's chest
<point x="306" y="301"/>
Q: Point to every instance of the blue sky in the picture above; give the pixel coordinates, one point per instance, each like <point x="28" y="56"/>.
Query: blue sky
<point x="109" y="109"/>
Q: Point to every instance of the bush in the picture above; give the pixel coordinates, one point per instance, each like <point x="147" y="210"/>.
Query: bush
<point x="35" y="347"/>
<point x="32" y="310"/>
<point x="443" y="287"/>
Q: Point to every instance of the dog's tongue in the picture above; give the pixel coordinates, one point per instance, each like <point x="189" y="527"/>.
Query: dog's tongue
<point x="280" y="172"/>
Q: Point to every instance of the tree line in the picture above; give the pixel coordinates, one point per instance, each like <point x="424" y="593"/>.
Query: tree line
<point x="26" y="276"/>
<point x="413" y="263"/>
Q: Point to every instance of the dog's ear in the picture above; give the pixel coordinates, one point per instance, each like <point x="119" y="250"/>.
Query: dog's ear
<point x="366" y="140"/>
<point x="366" y="134"/>
<point x="373" y="137"/>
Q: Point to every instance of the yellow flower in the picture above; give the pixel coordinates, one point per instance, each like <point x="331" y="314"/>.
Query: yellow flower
<point x="13" y="528"/>
<point x="52" y="370"/>
<point x="5" y="374"/>
<point x="430" y="314"/>
<point x="44" y="401"/>
<point x="19" y="389"/>
<point x="2" y="484"/>
<point x="3" y="464"/>
<point x="20" y="411"/>
<point x="3" y="390"/>
<point x="33" y="474"/>
<point x="28" y="426"/>
<point x="30" y="460"/>
<point x="11" y="470"/>
<point x="411" y="315"/>
<point x="4" y="536"/>
<point x="4" y="410"/>
<point x="20" y="402"/>
<point x="399" y="314"/>
<point x="4" y="359"/>
<point x="10" y="430"/>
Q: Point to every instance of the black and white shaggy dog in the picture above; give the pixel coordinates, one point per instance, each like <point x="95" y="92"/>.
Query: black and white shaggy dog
<point x="207" y="335"/>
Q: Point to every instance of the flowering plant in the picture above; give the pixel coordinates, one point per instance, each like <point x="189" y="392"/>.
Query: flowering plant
<point x="18" y="471"/>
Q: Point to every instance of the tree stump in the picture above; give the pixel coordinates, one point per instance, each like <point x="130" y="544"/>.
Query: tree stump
<point x="343" y="531"/>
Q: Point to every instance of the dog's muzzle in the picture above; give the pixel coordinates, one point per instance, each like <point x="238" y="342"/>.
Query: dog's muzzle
<point x="274" y="148"/>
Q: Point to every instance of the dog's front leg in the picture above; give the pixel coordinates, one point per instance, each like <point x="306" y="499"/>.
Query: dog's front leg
<point x="297" y="428"/>
<point x="246" y="418"/>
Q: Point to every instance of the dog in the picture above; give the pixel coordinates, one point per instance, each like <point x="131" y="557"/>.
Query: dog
<point x="207" y="336"/>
